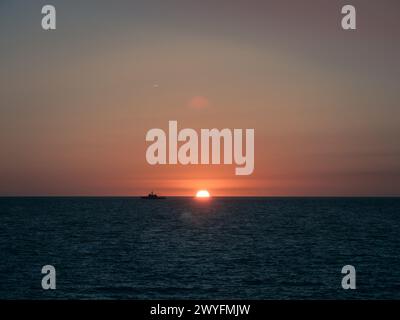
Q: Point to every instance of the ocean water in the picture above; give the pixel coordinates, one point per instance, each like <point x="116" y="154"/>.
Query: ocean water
<point x="183" y="248"/>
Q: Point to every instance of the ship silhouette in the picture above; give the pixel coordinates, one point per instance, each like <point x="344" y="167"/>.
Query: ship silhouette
<point x="152" y="196"/>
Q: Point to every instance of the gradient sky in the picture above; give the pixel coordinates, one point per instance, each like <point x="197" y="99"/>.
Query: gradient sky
<point x="76" y="103"/>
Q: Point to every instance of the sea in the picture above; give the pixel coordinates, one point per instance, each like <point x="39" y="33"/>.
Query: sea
<point x="186" y="248"/>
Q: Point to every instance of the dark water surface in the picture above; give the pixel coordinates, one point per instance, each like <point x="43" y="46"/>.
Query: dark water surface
<point x="255" y="248"/>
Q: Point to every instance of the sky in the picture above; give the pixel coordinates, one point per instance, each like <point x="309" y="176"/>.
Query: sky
<point x="76" y="103"/>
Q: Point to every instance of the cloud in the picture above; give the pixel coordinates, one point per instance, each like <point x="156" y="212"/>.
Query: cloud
<point x="198" y="102"/>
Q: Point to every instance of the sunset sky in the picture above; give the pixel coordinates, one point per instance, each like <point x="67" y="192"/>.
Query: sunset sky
<point x="76" y="103"/>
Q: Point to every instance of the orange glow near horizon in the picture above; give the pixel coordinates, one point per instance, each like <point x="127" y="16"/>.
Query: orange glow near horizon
<point x="202" y="194"/>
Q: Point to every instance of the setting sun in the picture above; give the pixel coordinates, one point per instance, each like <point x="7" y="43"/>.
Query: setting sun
<point x="202" y="194"/>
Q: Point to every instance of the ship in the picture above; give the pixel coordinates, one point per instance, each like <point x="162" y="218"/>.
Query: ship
<point x="152" y="196"/>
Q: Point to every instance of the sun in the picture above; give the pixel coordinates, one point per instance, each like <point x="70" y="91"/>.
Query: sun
<point x="202" y="194"/>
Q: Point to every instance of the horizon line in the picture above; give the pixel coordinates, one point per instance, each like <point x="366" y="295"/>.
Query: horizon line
<point x="193" y="196"/>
